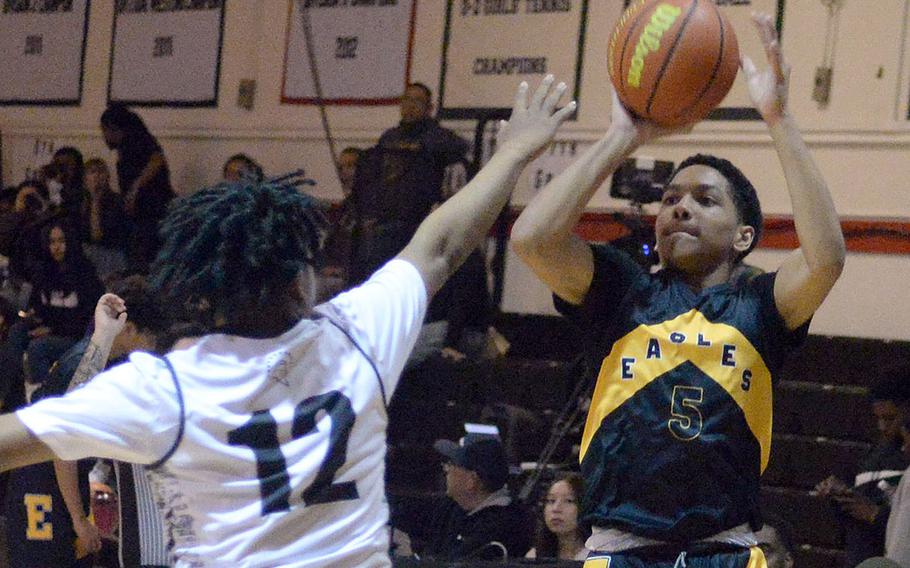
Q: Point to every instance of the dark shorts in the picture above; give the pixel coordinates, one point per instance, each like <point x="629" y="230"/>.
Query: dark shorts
<point x="665" y="557"/>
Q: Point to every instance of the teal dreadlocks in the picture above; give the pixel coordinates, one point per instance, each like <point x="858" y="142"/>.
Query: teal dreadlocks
<point x="235" y="246"/>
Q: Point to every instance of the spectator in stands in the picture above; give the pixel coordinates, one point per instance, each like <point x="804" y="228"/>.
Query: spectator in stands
<point x="480" y="520"/>
<point x="65" y="289"/>
<point x="897" y="535"/>
<point x="560" y="533"/>
<point x="143" y="178"/>
<point x="20" y="229"/>
<point x="104" y="226"/>
<point x="863" y="507"/>
<point x="71" y="170"/>
<point x="776" y="541"/>
<point x="240" y="166"/>
<point x="338" y="248"/>
<point x="347" y="167"/>
<point x="400" y="180"/>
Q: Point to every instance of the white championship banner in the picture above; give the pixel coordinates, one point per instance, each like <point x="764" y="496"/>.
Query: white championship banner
<point x="166" y="53"/>
<point x="42" y="48"/>
<point x="362" y="51"/>
<point x="489" y="46"/>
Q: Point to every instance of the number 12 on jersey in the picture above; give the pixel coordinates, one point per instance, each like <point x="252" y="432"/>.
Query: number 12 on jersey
<point x="260" y="434"/>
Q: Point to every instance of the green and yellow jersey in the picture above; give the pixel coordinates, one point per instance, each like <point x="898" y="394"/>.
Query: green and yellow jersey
<point x="679" y="429"/>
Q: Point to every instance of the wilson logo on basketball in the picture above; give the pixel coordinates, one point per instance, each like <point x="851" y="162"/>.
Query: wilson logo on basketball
<point x="649" y="41"/>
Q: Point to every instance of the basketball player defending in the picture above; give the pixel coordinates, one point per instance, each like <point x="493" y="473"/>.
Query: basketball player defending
<point x="266" y="441"/>
<point x="679" y="429"/>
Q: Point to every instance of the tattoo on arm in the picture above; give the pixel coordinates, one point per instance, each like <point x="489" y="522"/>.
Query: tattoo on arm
<point x="91" y="364"/>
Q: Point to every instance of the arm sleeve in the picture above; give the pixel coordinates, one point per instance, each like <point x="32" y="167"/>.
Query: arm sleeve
<point x="130" y="413"/>
<point x="384" y="315"/>
<point x="614" y="274"/>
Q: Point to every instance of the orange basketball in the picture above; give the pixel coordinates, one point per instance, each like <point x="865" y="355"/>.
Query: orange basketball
<point x="673" y="61"/>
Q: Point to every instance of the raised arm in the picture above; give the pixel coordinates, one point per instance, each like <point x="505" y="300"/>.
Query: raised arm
<point x="807" y="275"/>
<point x="445" y="238"/>
<point x="110" y="318"/>
<point x="543" y="235"/>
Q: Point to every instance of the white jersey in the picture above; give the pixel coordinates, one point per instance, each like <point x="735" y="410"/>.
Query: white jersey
<point x="262" y="452"/>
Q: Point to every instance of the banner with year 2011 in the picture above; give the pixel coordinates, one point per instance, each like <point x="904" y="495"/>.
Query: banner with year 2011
<point x="166" y="52"/>
<point x="362" y="51"/>
<point x="489" y="45"/>
<point x="42" y="51"/>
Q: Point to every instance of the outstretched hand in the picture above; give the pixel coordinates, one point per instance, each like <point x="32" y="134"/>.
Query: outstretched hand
<point x="534" y="123"/>
<point x="768" y="88"/>
<point x="110" y="315"/>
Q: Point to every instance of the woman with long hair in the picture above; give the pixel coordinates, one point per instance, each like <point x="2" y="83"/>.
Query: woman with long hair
<point x="560" y="532"/>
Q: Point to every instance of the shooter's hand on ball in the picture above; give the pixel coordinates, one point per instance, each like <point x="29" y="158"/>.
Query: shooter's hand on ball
<point x="635" y="129"/>
<point x="768" y="88"/>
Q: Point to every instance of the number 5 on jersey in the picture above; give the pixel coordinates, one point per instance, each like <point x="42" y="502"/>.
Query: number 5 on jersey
<point x="260" y="434"/>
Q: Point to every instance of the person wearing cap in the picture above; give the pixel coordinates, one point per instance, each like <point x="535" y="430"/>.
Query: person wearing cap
<point x="479" y="520"/>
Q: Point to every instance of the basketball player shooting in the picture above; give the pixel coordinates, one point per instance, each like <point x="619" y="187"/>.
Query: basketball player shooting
<point x="265" y="441"/>
<point x="679" y="428"/>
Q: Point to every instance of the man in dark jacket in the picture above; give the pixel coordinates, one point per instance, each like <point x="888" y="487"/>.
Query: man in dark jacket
<point x="400" y="180"/>
<point x="479" y="520"/>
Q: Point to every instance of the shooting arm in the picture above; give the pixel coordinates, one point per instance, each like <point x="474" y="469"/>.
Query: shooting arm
<point x="543" y="235"/>
<point x="807" y="275"/>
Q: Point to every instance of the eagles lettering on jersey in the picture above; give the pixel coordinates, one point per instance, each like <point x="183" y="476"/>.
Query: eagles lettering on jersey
<point x="679" y="428"/>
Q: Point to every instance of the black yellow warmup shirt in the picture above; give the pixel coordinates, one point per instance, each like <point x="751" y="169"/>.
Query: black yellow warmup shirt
<point x="679" y="429"/>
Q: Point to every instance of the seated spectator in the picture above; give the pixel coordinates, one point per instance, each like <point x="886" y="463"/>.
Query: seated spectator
<point x="104" y="225"/>
<point x="897" y="533"/>
<point x="71" y="177"/>
<point x="241" y="166"/>
<point x="66" y="288"/>
<point x="347" y="167"/>
<point x="560" y="533"/>
<point x="20" y="228"/>
<point x="862" y="507"/>
<point x="479" y="520"/>
<point x="338" y="248"/>
<point x="776" y="541"/>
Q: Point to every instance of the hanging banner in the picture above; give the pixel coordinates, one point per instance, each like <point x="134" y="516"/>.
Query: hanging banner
<point x="489" y="47"/>
<point x="42" y="51"/>
<point x="166" y="52"/>
<point x="362" y="51"/>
